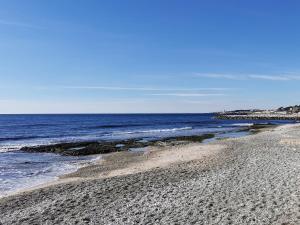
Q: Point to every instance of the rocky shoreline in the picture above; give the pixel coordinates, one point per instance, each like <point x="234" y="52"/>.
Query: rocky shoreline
<point x="105" y="147"/>
<point x="249" y="180"/>
<point x="259" y="117"/>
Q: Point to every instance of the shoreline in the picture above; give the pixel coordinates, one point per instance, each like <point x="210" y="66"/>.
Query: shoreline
<point x="60" y="179"/>
<point x="292" y="117"/>
<point x="124" y="163"/>
<point x="132" y="161"/>
<point x="85" y="148"/>
<point x="237" y="181"/>
<point x="123" y="158"/>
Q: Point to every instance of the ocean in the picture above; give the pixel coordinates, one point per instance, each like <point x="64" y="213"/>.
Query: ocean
<point x="20" y="170"/>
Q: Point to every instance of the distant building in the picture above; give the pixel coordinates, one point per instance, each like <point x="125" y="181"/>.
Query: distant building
<point x="280" y="111"/>
<point x="289" y="109"/>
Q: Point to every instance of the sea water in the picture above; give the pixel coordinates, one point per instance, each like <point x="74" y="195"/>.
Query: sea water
<point x="19" y="170"/>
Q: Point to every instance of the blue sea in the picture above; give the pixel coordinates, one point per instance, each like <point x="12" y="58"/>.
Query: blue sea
<point x="20" y="170"/>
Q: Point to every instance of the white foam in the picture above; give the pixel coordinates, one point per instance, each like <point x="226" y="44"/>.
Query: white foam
<point x="242" y="124"/>
<point x="51" y="173"/>
<point x="155" y="130"/>
<point x="96" y="158"/>
<point x="13" y="185"/>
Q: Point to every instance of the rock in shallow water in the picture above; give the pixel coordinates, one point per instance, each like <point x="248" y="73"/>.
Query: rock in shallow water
<point x="103" y="147"/>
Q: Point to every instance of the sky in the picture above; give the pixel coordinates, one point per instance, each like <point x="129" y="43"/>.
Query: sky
<point x="141" y="56"/>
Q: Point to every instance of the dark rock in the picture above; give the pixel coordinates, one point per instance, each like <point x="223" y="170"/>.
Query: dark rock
<point x="103" y="147"/>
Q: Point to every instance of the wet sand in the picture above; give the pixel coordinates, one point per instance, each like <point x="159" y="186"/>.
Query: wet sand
<point x="248" y="180"/>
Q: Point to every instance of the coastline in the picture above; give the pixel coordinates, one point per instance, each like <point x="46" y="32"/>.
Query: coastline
<point x="248" y="180"/>
<point x="127" y="162"/>
<point x="122" y="158"/>
<point x="255" y="116"/>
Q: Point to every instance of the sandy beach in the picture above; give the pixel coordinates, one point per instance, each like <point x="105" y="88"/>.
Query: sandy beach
<point x="249" y="180"/>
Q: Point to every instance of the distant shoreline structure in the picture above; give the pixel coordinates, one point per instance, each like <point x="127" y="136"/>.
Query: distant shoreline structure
<point x="282" y="113"/>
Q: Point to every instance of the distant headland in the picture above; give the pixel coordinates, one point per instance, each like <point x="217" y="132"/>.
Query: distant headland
<point x="282" y="113"/>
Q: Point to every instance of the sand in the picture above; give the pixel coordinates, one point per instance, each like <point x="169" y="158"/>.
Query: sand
<point x="249" y="180"/>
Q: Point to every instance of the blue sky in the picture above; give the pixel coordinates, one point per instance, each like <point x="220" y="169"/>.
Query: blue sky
<point x="65" y="56"/>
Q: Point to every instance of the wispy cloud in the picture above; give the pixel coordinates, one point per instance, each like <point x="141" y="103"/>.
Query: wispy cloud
<point x="188" y="94"/>
<point x="218" y="76"/>
<point x="19" y="24"/>
<point x="270" y="77"/>
<point x="117" y="88"/>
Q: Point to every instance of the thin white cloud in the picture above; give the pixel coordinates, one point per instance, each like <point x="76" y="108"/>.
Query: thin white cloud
<point x="19" y="24"/>
<point x="282" y="77"/>
<point x="188" y="94"/>
<point x="218" y="76"/>
<point x="270" y="77"/>
<point x="116" y="88"/>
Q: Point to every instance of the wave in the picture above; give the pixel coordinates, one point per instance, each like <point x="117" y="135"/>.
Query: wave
<point x="242" y="124"/>
<point x="203" y="122"/>
<point x="94" y="160"/>
<point x="42" y="137"/>
<point x="118" y="126"/>
<point x="17" y="138"/>
<point x="155" y="130"/>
